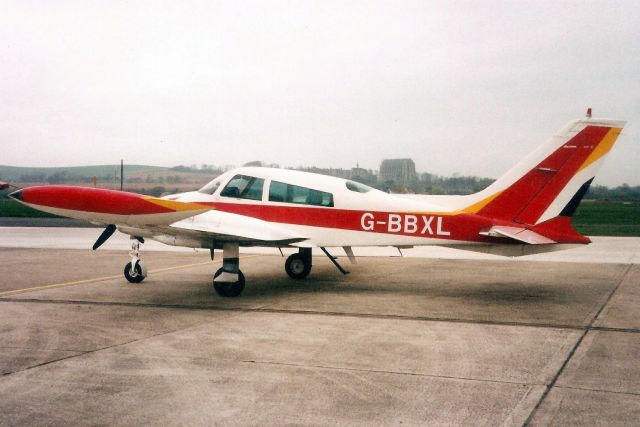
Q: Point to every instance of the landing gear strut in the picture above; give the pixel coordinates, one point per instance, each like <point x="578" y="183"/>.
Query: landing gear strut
<point x="228" y="281"/>
<point x="135" y="271"/>
<point x="298" y="266"/>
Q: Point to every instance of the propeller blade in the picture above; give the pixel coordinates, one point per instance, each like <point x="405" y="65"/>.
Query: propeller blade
<point x="104" y="236"/>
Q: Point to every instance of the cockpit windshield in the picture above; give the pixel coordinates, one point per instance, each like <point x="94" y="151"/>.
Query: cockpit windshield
<point x="211" y="187"/>
<point x="358" y="187"/>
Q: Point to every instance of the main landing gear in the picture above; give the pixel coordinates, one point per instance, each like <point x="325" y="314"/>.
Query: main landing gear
<point x="228" y="281"/>
<point x="298" y="266"/>
<point x="135" y="271"/>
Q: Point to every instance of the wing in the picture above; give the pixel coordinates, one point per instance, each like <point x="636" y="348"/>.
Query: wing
<point x="106" y="206"/>
<point x="227" y="227"/>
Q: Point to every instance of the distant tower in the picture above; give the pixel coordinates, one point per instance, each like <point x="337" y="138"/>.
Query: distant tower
<point x="401" y="171"/>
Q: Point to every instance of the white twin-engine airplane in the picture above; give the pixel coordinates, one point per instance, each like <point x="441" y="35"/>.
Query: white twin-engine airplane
<point x="528" y="210"/>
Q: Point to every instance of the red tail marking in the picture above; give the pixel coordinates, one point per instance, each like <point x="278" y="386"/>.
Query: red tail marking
<point x="527" y="199"/>
<point x="560" y="230"/>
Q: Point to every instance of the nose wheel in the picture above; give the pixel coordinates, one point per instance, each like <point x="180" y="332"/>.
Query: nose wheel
<point x="135" y="274"/>
<point x="135" y="271"/>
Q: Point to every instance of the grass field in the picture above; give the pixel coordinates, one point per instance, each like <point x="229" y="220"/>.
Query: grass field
<point x="591" y="219"/>
<point x="11" y="208"/>
<point x="608" y="219"/>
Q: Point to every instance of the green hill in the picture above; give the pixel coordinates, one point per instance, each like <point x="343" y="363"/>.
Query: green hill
<point x="19" y="173"/>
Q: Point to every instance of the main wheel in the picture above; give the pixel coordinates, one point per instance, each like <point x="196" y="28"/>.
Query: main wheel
<point x="297" y="267"/>
<point x="135" y="276"/>
<point x="231" y="289"/>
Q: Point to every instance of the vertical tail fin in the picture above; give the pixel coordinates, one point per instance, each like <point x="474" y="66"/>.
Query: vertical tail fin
<point x="552" y="180"/>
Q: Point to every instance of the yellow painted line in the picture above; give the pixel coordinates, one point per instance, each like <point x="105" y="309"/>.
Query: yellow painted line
<point x="57" y="285"/>
<point x="99" y="279"/>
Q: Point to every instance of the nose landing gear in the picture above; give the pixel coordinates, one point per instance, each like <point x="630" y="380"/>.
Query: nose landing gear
<point x="135" y="271"/>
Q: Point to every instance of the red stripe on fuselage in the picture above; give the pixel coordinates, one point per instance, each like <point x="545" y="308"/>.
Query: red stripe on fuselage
<point x="450" y="227"/>
<point x="88" y="199"/>
<point x="461" y="227"/>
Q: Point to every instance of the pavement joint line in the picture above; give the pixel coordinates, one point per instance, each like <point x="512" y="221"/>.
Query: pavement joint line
<point x="379" y="371"/>
<point x="99" y="279"/>
<point x="630" y="393"/>
<point x="264" y="309"/>
<point x="4" y="374"/>
<point x="575" y="347"/>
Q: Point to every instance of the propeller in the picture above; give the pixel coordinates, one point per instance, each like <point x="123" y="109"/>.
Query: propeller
<point x="104" y="236"/>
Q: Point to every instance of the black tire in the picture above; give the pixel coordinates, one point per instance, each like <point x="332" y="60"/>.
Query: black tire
<point x="229" y="290"/>
<point x="137" y="276"/>
<point x="297" y="267"/>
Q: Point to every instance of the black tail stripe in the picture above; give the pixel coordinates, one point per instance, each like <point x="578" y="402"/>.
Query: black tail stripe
<point x="571" y="207"/>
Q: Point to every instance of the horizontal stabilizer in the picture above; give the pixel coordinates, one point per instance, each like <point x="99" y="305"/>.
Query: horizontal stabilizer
<point x="520" y="234"/>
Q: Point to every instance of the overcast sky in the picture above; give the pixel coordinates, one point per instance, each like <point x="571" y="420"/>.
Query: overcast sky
<point x="460" y="87"/>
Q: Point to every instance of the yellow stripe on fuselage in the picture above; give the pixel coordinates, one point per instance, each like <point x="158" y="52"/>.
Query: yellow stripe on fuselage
<point x="481" y="204"/>
<point x="471" y="209"/>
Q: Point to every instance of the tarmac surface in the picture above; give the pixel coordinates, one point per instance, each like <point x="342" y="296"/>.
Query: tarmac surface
<point x="470" y="340"/>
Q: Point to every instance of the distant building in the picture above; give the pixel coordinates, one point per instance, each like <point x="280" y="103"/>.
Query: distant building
<point x="398" y="175"/>
<point x="357" y="174"/>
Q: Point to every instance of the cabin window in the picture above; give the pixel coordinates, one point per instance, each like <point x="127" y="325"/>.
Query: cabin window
<point x="244" y="187"/>
<point x="358" y="187"/>
<point x="287" y="193"/>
